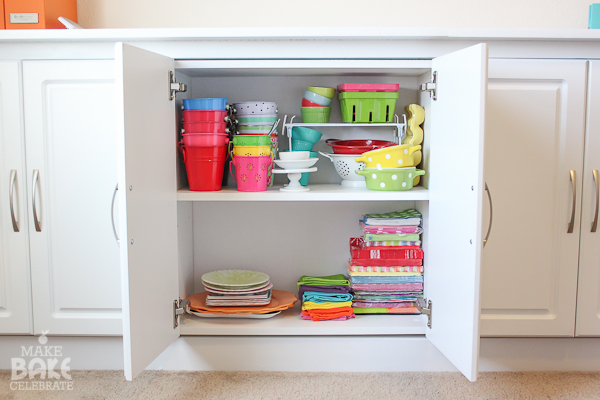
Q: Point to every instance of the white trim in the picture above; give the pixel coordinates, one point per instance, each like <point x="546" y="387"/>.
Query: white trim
<point x="162" y="34"/>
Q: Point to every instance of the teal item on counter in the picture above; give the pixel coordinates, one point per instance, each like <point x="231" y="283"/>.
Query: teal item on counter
<point x="306" y="175"/>
<point x="594" y="18"/>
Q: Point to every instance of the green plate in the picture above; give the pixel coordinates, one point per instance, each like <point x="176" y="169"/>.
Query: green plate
<point x="238" y="278"/>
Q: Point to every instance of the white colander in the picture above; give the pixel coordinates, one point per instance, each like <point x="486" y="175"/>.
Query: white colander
<point x="345" y="165"/>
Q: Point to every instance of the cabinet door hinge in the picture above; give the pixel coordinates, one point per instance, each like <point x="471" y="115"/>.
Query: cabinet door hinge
<point x="174" y="86"/>
<point x="426" y="310"/>
<point x="180" y="307"/>
<point x="430" y="86"/>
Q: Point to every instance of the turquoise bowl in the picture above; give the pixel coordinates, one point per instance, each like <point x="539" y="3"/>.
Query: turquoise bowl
<point x="306" y="134"/>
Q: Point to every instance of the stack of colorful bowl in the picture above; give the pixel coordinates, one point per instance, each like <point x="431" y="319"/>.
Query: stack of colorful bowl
<point x="253" y="148"/>
<point x="204" y="142"/>
<point x="315" y="104"/>
<point x="390" y="168"/>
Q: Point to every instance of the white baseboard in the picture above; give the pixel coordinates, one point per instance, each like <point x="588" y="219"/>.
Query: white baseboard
<point x="321" y="353"/>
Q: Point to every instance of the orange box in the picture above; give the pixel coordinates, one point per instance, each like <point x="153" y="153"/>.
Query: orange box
<point x="38" y="14"/>
<point x="2" y="14"/>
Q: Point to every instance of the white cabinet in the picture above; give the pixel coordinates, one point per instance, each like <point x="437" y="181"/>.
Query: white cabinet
<point x="588" y="295"/>
<point x="534" y="145"/>
<point x="147" y="171"/>
<point x="72" y="178"/>
<point x="15" y="290"/>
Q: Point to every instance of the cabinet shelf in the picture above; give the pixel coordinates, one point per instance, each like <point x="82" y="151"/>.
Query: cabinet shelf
<point x="289" y="323"/>
<point x="323" y="192"/>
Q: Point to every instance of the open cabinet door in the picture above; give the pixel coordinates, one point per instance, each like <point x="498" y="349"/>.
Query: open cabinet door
<point x="147" y="199"/>
<point x="456" y="188"/>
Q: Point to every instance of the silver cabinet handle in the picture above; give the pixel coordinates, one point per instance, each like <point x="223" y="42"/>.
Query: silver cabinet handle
<point x="11" y="194"/>
<point x="574" y="187"/>
<point x="112" y="213"/>
<point x="487" y="235"/>
<point x="595" y="222"/>
<point x="36" y="180"/>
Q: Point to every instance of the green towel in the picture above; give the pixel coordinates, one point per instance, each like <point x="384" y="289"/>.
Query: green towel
<point x="377" y="310"/>
<point x="331" y="280"/>
<point x="378" y="237"/>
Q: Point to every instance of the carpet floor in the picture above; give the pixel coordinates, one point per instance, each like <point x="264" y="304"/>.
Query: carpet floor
<point x="150" y="385"/>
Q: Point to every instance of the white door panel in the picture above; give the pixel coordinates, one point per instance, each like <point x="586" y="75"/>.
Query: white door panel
<point x="71" y="142"/>
<point x="534" y="138"/>
<point x="588" y="294"/>
<point x="456" y="188"/>
<point x="15" y="288"/>
<point x="148" y="204"/>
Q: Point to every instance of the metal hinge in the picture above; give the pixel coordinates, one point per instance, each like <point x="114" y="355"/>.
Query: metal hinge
<point x="175" y="87"/>
<point x="430" y="86"/>
<point x="425" y="310"/>
<point x="180" y="307"/>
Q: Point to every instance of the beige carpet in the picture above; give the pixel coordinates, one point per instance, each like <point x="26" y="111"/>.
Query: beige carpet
<point x="315" y="386"/>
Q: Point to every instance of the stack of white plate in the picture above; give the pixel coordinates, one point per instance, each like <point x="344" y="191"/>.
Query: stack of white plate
<point x="235" y="287"/>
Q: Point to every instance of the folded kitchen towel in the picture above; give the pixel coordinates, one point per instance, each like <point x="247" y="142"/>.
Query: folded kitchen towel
<point x="387" y="279"/>
<point x="329" y="314"/>
<point x="326" y="317"/>
<point x="320" y="297"/>
<point x="406" y="237"/>
<point x="309" y="305"/>
<point x="325" y="289"/>
<point x="330" y="280"/>
<point x="406" y="217"/>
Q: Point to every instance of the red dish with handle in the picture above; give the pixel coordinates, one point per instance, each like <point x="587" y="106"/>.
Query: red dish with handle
<point x="205" y="116"/>
<point x="205" y="127"/>
<point x="308" y="103"/>
<point x="357" y="146"/>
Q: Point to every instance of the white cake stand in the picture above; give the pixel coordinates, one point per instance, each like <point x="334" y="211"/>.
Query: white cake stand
<point x="294" y="176"/>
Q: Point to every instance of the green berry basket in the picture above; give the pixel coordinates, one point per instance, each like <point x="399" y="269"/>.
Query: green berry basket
<point x="366" y="107"/>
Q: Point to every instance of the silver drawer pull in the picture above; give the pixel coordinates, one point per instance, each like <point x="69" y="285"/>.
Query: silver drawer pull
<point x="487" y="236"/>
<point x="595" y="222"/>
<point x="112" y="214"/>
<point x="574" y="187"/>
<point x="36" y="180"/>
<point x="11" y="195"/>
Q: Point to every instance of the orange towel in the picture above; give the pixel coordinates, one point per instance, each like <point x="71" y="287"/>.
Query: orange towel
<point x="330" y="313"/>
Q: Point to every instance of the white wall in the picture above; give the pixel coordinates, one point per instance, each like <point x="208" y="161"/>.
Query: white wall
<point x="334" y="13"/>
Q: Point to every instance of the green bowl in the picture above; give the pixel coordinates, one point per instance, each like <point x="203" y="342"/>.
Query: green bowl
<point x="316" y="114"/>
<point x="390" y="179"/>
<point x="323" y="91"/>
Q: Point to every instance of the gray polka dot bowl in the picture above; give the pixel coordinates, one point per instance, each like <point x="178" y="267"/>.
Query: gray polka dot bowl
<point x="390" y="179"/>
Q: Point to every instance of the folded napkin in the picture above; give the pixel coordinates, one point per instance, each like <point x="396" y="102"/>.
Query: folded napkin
<point x="309" y="305"/>
<point x="402" y="244"/>
<point x="406" y="237"/>
<point x="390" y="229"/>
<point x="319" y="297"/>
<point x="382" y="310"/>
<point x="303" y="315"/>
<point x="329" y="314"/>
<point x="330" y="280"/>
<point x="379" y="287"/>
<point x="371" y="304"/>
<point x="406" y="217"/>
<point x="387" y="279"/>
<point x="326" y="289"/>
